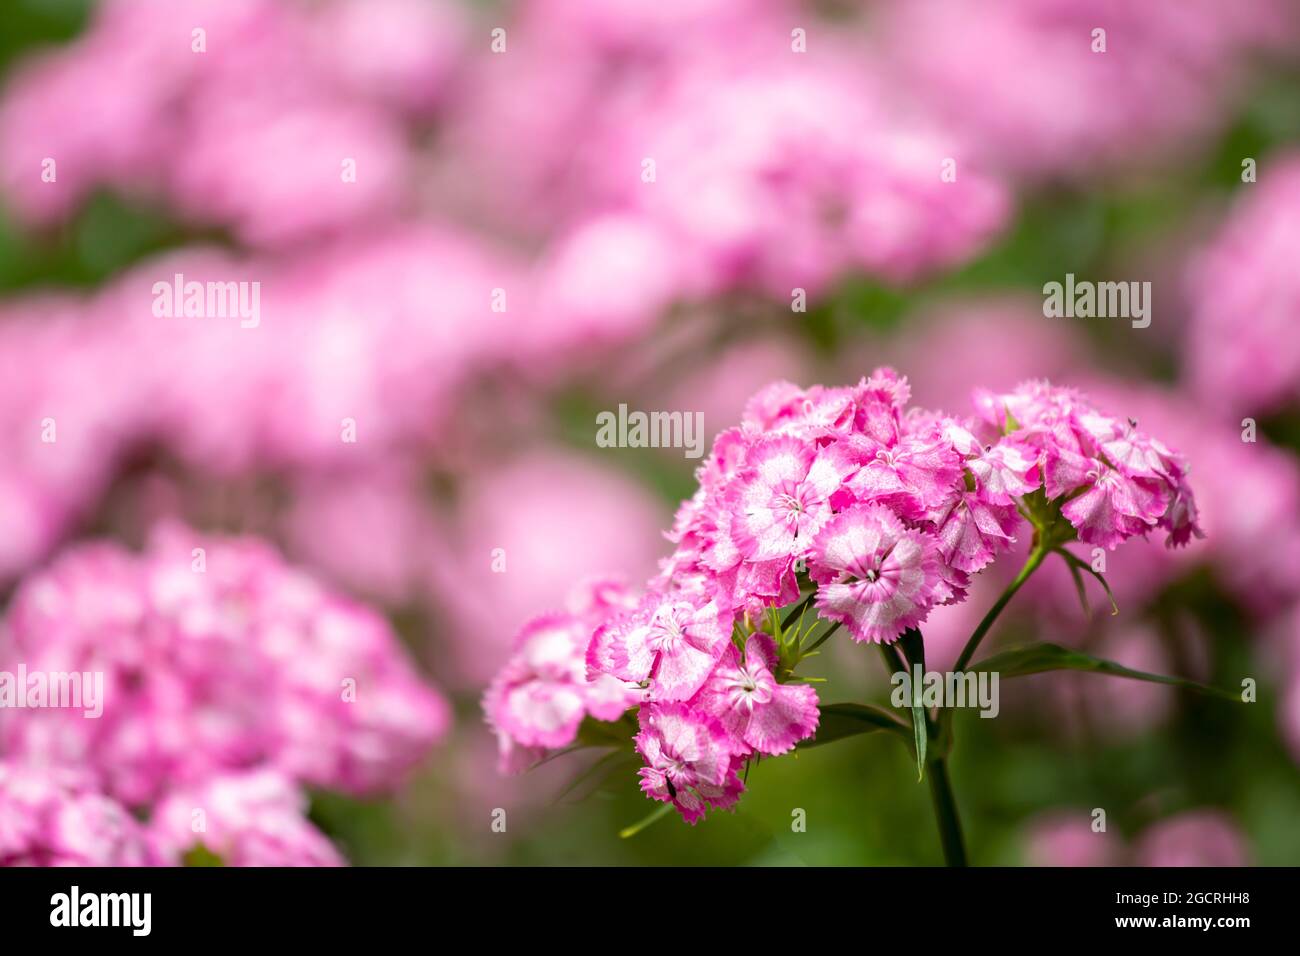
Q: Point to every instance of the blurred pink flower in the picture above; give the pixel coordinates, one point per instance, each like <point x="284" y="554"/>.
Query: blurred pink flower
<point x="609" y="280"/>
<point x="272" y="99"/>
<point x="215" y="655"/>
<point x="366" y="531"/>
<point x="699" y="122"/>
<point x="1021" y="84"/>
<point x="536" y="702"/>
<point x="251" y="819"/>
<point x="54" y="817"/>
<point x="383" y="336"/>
<point x="1242" y="350"/>
<point x="403" y="53"/>
<point x="1194" y="838"/>
<point x="556" y="518"/>
<point x="1066" y="838"/>
<point x="68" y="408"/>
<point x="276" y="172"/>
<point x="763" y="192"/>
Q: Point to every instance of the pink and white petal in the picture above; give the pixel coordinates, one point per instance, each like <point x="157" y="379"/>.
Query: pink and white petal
<point x="680" y="674"/>
<point x="542" y="715"/>
<point x="791" y="716"/>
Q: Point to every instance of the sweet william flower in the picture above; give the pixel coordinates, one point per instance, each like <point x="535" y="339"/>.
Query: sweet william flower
<point x="743" y="693"/>
<point x="912" y="476"/>
<point x="1003" y="472"/>
<point x="971" y="530"/>
<point x="1112" y="481"/>
<point x="889" y="510"/>
<point x="540" y="697"/>
<point x="1113" y="507"/>
<point x="671" y="642"/>
<point x="875" y="575"/>
<point x="690" y="759"/>
<point x="784" y="496"/>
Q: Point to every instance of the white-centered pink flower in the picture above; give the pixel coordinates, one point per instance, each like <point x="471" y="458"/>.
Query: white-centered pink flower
<point x="690" y="760"/>
<point x="670" y="642"/>
<point x="784" y="496"/>
<point x="876" y="576"/>
<point x="743" y="694"/>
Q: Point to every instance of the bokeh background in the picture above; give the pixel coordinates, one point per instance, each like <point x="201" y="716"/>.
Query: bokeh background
<point x="503" y="266"/>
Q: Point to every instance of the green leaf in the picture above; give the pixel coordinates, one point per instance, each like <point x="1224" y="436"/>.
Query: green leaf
<point x="1077" y="564"/>
<point x="1040" y="658"/>
<point x="920" y="737"/>
<point x="848" y="720"/>
<point x="914" y="649"/>
<point x="1081" y="588"/>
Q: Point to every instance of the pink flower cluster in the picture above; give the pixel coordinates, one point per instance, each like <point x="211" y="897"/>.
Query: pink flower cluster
<point x="269" y="97"/>
<point x="247" y="819"/>
<point x="1026" y="85"/>
<point x="1200" y="837"/>
<point x="542" y="694"/>
<point x="217" y="659"/>
<point x="1113" y="480"/>
<point x="58" y="817"/>
<point x="386" y="335"/>
<point x="378" y="290"/>
<point x="888" y="509"/>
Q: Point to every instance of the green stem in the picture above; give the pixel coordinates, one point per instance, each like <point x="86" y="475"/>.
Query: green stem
<point x="1036" y="557"/>
<point x="945" y="813"/>
<point x="941" y="796"/>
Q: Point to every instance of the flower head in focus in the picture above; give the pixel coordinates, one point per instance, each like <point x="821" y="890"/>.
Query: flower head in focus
<point x="867" y="511"/>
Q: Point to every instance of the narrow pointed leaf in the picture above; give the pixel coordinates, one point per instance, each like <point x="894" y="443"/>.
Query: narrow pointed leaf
<point x="1041" y="658"/>
<point x="1077" y="564"/>
<point x="919" y="734"/>
<point x="914" y="649"/>
<point x="1081" y="588"/>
